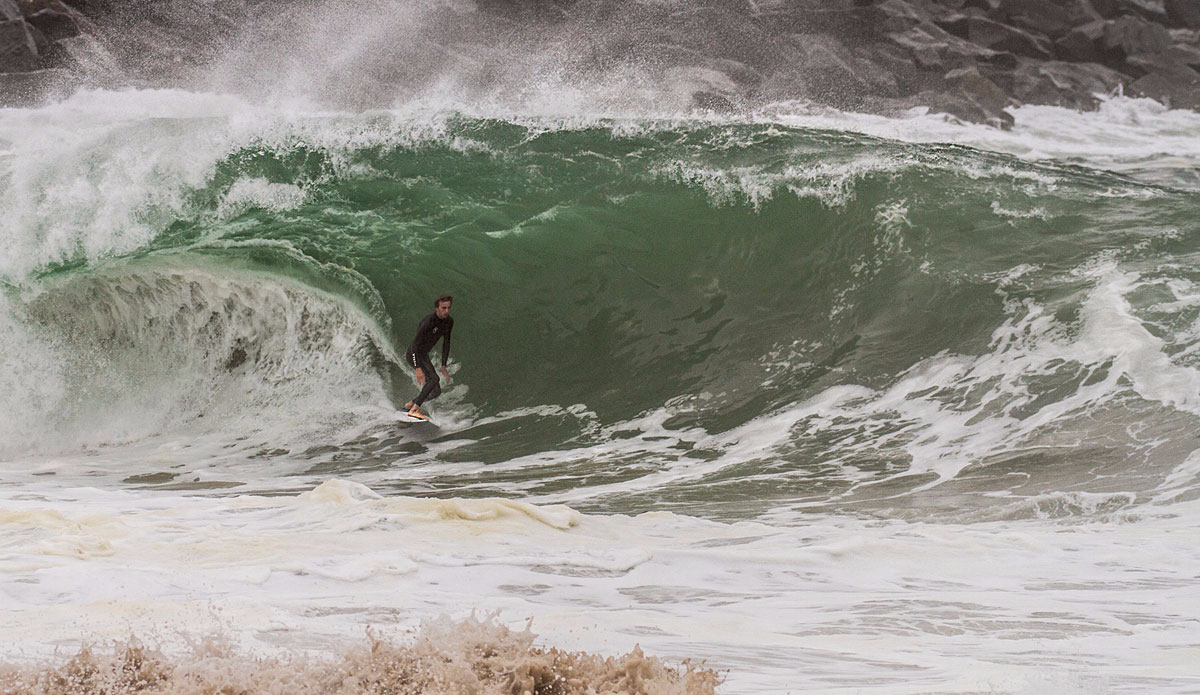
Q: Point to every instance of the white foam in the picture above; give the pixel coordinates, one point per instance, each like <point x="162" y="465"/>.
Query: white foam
<point x="258" y="192"/>
<point x="881" y="606"/>
<point x="830" y="182"/>
<point x="1128" y="135"/>
<point x="104" y="172"/>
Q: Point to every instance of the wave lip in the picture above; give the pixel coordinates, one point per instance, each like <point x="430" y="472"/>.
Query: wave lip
<point x="170" y="344"/>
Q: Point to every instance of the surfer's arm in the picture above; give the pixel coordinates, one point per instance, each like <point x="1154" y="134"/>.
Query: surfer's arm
<point x="446" y="350"/>
<point x="446" y="344"/>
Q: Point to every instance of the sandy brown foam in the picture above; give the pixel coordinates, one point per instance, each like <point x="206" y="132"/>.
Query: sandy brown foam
<point x="444" y="657"/>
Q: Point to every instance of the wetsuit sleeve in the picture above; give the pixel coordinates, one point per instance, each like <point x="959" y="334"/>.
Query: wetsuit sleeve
<point x="446" y="343"/>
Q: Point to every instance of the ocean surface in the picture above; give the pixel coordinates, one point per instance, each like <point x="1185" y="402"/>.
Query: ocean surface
<point x="817" y="401"/>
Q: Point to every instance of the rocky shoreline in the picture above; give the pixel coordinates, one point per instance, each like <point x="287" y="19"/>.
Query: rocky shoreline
<point x="969" y="58"/>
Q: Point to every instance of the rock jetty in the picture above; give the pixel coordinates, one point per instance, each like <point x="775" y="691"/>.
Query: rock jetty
<point x="972" y="59"/>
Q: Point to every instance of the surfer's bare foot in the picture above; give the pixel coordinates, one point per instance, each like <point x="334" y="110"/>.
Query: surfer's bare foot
<point x="415" y="411"/>
<point x="409" y="405"/>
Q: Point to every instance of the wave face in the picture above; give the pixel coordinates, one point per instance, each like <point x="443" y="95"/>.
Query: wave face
<point x="946" y="379"/>
<point x="651" y="295"/>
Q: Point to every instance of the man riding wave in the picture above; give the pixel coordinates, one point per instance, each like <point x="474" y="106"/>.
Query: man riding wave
<point x="434" y="327"/>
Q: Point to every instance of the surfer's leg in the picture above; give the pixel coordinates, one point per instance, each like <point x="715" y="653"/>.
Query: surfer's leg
<point x="432" y="387"/>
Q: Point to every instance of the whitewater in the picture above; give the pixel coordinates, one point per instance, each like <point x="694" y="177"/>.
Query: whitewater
<point x="803" y="400"/>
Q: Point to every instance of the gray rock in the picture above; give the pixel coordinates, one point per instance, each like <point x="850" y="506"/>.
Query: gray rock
<point x="1183" y="13"/>
<point x="1108" y="8"/>
<point x="986" y="6"/>
<point x="9" y="10"/>
<point x="53" y="24"/>
<point x="1176" y="59"/>
<point x="1152" y="10"/>
<point x="1071" y="85"/>
<point x="998" y="36"/>
<point x="971" y="96"/>
<point x="1133" y="35"/>
<point x="936" y="49"/>
<point x="1052" y="19"/>
<point x="898" y="16"/>
<point x="1171" y="88"/>
<point x="1082" y="44"/>
<point x="1184" y="55"/>
<point x="999" y="61"/>
<point x="18" y="47"/>
<point x="927" y="52"/>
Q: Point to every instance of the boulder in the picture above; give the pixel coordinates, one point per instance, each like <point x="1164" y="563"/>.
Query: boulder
<point x="926" y="51"/>
<point x="1172" y="76"/>
<point x="53" y="24"/>
<point x="898" y="62"/>
<point x="1130" y="36"/>
<point x="1184" y="55"/>
<point x="965" y="108"/>
<point x="1190" y="37"/>
<point x="1151" y="10"/>
<point x="897" y="16"/>
<point x="1183" y="13"/>
<point x="1082" y="44"/>
<point x="1107" y="8"/>
<point x="972" y="97"/>
<point x="986" y="6"/>
<point x="999" y="61"/>
<point x="997" y="36"/>
<point x="1134" y="35"/>
<point x="19" y="47"/>
<point x="1169" y="89"/>
<point x="1070" y="85"/>
<point x="935" y="49"/>
<point x="1052" y="19"/>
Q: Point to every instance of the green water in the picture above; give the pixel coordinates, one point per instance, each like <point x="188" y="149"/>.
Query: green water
<point x="709" y="274"/>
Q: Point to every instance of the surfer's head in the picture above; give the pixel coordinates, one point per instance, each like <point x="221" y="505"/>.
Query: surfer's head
<point x="441" y="306"/>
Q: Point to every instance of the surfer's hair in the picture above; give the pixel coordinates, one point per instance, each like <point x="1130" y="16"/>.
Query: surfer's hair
<point x="443" y="298"/>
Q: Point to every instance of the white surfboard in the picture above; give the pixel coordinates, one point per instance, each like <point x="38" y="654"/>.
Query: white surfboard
<point x="405" y="417"/>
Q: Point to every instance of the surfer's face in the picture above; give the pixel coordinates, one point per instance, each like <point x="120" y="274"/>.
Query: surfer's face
<point x="442" y="310"/>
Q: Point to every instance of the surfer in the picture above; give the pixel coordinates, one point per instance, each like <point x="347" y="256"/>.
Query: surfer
<point x="434" y="327"/>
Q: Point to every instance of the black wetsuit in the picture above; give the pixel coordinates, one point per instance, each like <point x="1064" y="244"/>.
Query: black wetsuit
<point x="431" y="330"/>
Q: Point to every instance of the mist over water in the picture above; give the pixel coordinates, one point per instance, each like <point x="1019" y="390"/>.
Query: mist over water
<point x="832" y="402"/>
<point x="633" y="58"/>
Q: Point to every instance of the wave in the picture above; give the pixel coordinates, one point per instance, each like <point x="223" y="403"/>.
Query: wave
<point x="138" y="348"/>
<point x="722" y="301"/>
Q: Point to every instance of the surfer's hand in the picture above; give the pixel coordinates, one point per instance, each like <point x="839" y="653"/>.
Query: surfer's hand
<point x="420" y="377"/>
<point x="446" y="373"/>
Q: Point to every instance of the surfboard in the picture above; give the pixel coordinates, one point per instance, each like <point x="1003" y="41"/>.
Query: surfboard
<point x="405" y="417"/>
